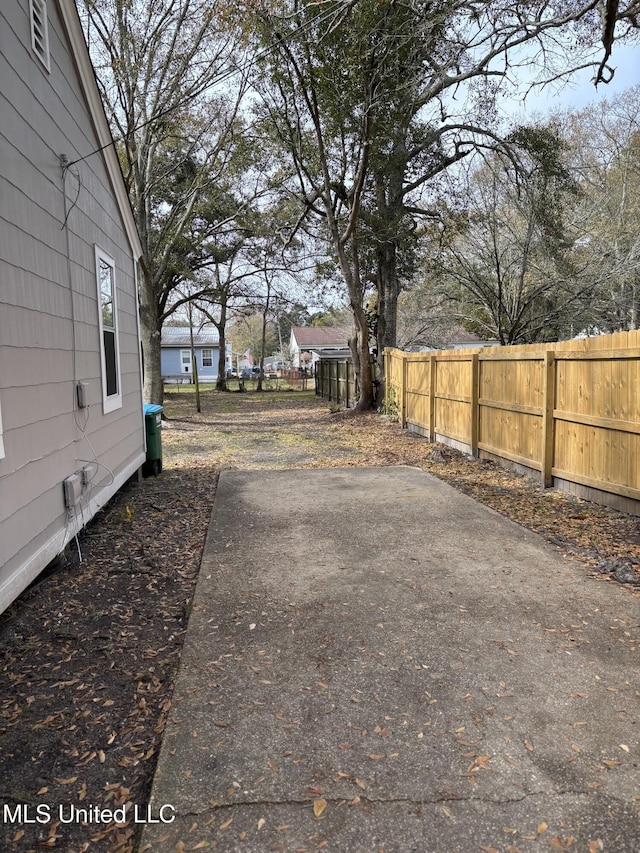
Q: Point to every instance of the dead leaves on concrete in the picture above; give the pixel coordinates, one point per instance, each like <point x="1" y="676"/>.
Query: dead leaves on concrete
<point x="297" y="431"/>
<point x="557" y="842"/>
<point x="89" y="654"/>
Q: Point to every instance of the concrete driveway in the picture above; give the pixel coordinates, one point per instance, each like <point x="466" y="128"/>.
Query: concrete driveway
<point x="375" y="662"/>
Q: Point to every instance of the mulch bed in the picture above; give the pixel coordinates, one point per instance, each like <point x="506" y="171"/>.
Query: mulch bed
<point x="89" y="658"/>
<point x="90" y="652"/>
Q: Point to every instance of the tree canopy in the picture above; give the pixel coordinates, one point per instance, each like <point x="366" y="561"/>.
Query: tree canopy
<point x="331" y="130"/>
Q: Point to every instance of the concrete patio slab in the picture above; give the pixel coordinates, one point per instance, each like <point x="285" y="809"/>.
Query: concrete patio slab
<point x="375" y="662"/>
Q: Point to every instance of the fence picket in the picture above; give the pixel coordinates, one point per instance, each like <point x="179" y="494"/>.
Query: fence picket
<point x="569" y="410"/>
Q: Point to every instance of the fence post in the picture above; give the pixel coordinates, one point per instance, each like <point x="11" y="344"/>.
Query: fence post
<point x="387" y="385"/>
<point x="432" y="398"/>
<point x="475" y="405"/>
<point x="403" y="392"/>
<point x="346" y="382"/>
<point x="351" y="378"/>
<point x="548" y="405"/>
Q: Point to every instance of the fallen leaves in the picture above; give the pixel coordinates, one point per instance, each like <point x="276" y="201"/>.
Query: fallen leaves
<point x="346" y="777"/>
<point x="91" y="651"/>
<point x="318" y="808"/>
<point x="562" y="844"/>
<point x="97" y="665"/>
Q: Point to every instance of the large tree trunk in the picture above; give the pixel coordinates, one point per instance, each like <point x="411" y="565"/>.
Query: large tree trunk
<point x="264" y="334"/>
<point x="388" y="292"/>
<point x="359" y="345"/>
<point x="150" y="327"/>
<point x="362" y="367"/>
<point x="221" y="381"/>
<point x="390" y="210"/>
<point x="388" y="287"/>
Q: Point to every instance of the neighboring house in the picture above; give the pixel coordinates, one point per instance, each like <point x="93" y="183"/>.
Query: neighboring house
<point x="456" y="338"/>
<point x="316" y="340"/>
<point x="71" y="420"/>
<point x="175" y="353"/>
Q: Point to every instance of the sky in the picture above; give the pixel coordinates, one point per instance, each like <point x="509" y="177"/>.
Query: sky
<point x="579" y="91"/>
<point x="626" y="61"/>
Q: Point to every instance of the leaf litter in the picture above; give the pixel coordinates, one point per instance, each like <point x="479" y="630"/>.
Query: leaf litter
<point x="90" y="652"/>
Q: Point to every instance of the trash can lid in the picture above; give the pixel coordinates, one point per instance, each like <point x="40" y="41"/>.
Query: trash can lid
<point x="152" y="409"/>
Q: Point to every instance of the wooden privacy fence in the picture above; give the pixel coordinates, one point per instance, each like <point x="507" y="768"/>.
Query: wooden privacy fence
<point x="569" y="411"/>
<point x="335" y="381"/>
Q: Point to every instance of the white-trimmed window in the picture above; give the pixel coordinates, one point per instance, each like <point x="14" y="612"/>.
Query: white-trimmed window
<point x="40" y="31"/>
<point x="207" y="357"/>
<point x="108" y="321"/>
<point x="2" y="454"/>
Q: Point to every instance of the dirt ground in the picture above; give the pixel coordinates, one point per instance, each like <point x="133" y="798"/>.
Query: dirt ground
<point x="90" y="652"/>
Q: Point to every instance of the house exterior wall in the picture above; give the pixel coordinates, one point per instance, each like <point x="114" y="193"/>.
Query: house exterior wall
<point x="171" y="364"/>
<point x="316" y="341"/>
<point x="49" y="321"/>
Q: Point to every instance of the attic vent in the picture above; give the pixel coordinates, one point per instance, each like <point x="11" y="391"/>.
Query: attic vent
<point x="40" y="31"/>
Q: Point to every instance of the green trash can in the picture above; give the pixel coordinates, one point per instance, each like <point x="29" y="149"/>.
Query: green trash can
<point x="153" y="428"/>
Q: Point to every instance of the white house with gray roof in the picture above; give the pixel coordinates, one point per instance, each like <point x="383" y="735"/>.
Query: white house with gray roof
<point x="71" y="418"/>
<point x="318" y="340"/>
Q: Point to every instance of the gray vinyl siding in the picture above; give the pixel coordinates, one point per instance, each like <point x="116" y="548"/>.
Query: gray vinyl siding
<point x="49" y="331"/>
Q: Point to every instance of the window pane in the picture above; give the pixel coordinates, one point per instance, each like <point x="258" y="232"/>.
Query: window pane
<point x="106" y="292"/>
<point x="109" y="338"/>
<point x="207" y="358"/>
